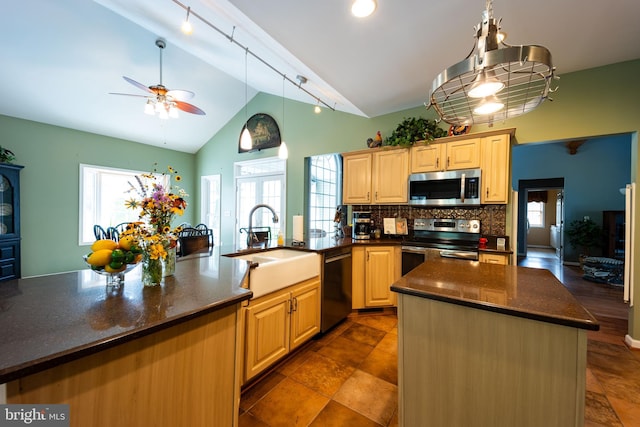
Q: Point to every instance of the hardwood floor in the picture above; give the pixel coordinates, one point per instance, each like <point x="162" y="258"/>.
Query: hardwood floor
<point x="348" y="377"/>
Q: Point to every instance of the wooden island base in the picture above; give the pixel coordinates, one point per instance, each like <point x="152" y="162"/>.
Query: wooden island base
<point x="184" y="375"/>
<point x="463" y="366"/>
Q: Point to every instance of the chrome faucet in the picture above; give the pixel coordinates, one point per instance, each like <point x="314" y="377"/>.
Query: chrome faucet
<point x="251" y="237"/>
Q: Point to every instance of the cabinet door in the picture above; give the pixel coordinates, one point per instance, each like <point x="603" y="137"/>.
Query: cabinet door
<point x="380" y="274"/>
<point x="495" y="169"/>
<point x="267" y="332"/>
<point x="305" y="317"/>
<point x="390" y="176"/>
<point x="356" y="179"/>
<point x="463" y="154"/>
<point x="427" y="158"/>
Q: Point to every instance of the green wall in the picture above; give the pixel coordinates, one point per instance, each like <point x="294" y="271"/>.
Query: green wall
<point x="49" y="185"/>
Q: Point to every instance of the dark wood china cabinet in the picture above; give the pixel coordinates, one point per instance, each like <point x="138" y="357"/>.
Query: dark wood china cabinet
<point x="9" y="221"/>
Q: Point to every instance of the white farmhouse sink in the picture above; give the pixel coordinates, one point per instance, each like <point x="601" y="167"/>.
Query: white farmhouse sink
<point x="280" y="268"/>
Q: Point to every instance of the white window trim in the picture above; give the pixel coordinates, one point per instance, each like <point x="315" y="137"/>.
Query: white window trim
<point x="81" y="197"/>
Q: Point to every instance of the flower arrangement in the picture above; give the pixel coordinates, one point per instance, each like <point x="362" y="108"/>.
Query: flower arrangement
<point x="158" y="204"/>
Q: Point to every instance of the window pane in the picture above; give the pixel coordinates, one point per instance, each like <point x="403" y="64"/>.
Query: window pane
<point x="325" y="183"/>
<point x="535" y="214"/>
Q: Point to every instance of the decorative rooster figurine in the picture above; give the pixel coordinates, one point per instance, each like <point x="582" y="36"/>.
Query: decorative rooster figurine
<point x="376" y="141"/>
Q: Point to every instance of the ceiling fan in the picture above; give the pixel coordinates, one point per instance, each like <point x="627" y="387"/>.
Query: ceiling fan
<point x="161" y="100"/>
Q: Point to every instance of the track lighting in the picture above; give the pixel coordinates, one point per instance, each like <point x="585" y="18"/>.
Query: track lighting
<point x="363" y="8"/>
<point x="186" y="25"/>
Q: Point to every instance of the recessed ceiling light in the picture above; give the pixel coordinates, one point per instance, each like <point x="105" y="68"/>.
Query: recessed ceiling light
<point x="363" y="8"/>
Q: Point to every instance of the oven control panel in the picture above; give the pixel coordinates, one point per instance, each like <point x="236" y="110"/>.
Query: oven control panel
<point x="442" y="224"/>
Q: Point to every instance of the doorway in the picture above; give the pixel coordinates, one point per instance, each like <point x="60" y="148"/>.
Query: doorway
<point x="541" y="223"/>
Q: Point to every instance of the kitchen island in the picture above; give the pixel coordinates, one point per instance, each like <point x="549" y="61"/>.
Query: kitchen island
<point x="162" y="356"/>
<point x="489" y="345"/>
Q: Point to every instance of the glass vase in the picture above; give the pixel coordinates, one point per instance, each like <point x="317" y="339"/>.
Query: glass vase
<point x="151" y="271"/>
<point x="170" y="262"/>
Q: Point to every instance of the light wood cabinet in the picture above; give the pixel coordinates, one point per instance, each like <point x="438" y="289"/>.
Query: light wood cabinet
<point x="454" y="155"/>
<point x="374" y="269"/>
<point x="279" y="322"/>
<point x="495" y="164"/>
<point x="379" y="177"/>
<point x="502" y="259"/>
<point x="356" y="178"/>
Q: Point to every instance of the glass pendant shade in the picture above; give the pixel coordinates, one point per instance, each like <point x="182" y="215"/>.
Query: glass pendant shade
<point x="245" y="139"/>
<point x="283" y="151"/>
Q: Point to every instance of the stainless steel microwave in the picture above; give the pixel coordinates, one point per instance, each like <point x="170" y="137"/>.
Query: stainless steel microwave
<point x="450" y="188"/>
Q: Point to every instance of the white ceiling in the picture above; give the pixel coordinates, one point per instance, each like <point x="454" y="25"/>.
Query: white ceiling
<point x="60" y="59"/>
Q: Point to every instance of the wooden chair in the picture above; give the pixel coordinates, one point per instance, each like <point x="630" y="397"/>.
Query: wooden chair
<point x="195" y="240"/>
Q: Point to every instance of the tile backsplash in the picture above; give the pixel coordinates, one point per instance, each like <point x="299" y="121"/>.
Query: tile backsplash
<point x="493" y="218"/>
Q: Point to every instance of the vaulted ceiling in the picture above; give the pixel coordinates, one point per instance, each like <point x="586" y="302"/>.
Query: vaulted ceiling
<point x="61" y="59"/>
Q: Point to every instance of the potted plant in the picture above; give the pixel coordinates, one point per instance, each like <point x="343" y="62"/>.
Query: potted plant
<point x="414" y="129"/>
<point x="584" y="234"/>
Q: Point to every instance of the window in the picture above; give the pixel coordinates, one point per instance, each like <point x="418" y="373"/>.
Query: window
<point x="260" y="182"/>
<point x="103" y="192"/>
<point x="535" y="214"/>
<point x="324" y="180"/>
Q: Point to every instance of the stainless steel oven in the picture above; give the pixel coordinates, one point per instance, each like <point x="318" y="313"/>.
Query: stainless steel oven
<point x="450" y="238"/>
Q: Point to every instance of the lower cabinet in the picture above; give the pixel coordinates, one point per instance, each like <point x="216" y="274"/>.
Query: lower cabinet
<point x="502" y="259"/>
<point x="278" y="323"/>
<point x="375" y="268"/>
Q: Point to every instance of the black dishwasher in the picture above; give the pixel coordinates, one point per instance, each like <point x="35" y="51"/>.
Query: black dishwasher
<point x="336" y="287"/>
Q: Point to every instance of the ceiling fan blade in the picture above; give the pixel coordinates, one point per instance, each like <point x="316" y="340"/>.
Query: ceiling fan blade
<point x="138" y="85"/>
<point x="180" y="94"/>
<point x="129" y="94"/>
<point x="189" y="108"/>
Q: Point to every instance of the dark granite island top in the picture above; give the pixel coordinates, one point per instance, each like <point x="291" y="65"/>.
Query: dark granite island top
<point x="518" y="291"/>
<point x="49" y="320"/>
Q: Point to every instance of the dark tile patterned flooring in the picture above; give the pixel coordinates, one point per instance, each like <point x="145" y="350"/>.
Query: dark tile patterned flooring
<point x="349" y="376"/>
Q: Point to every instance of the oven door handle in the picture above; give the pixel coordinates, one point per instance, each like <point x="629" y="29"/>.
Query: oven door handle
<point x="462" y="182"/>
<point x="459" y="254"/>
<point x="414" y="249"/>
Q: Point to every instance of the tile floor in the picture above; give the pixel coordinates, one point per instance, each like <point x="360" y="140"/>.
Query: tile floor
<point x="348" y="377"/>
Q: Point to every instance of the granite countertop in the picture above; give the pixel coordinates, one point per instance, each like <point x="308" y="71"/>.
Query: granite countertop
<point x="516" y="291"/>
<point x="52" y="319"/>
<point x="316" y="244"/>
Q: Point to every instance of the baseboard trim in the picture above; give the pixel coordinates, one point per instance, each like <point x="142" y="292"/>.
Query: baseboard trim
<point x="631" y="342"/>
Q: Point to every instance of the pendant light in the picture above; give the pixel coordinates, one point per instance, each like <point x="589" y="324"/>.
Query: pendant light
<point x="283" y="152"/>
<point x="245" y="138"/>
<point x="495" y="82"/>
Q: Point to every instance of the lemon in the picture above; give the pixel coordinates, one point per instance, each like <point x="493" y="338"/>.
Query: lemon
<point x="125" y="243"/>
<point x="103" y="244"/>
<point x="109" y="269"/>
<point x="100" y="257"/>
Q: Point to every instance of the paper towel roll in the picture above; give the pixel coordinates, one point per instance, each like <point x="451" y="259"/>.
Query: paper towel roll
<point x="298" y="228"/>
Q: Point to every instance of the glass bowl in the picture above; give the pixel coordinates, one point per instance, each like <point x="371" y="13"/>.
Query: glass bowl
<point x="113" y="280"/>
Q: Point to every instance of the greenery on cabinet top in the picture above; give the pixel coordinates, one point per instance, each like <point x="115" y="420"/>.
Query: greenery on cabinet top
<point x="412" y="130"/>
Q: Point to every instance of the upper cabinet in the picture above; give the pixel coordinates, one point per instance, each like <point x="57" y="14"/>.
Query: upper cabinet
<point x="375" y="177"/>
<point x="454" y="155"/>
<point x="495" y="167"/>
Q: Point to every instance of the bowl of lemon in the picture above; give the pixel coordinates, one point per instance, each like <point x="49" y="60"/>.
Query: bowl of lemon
<point x="114" y="259"/>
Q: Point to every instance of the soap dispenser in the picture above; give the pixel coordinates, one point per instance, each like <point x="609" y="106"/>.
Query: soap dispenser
<point x="280" y="238"/>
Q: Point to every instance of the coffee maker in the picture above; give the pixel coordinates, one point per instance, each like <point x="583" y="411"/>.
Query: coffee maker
<point x="361" y="226"/>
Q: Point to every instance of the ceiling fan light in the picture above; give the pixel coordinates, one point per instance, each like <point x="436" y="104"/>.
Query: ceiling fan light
<point x="485" y="84"/>
<point x="245" y="139"/>
<point x="489" y="105"/>
<point x="149" y="108"/>
<point x="163" y="114"/>
<point x="173" y="112"/>
<point x="363" y="8"/>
